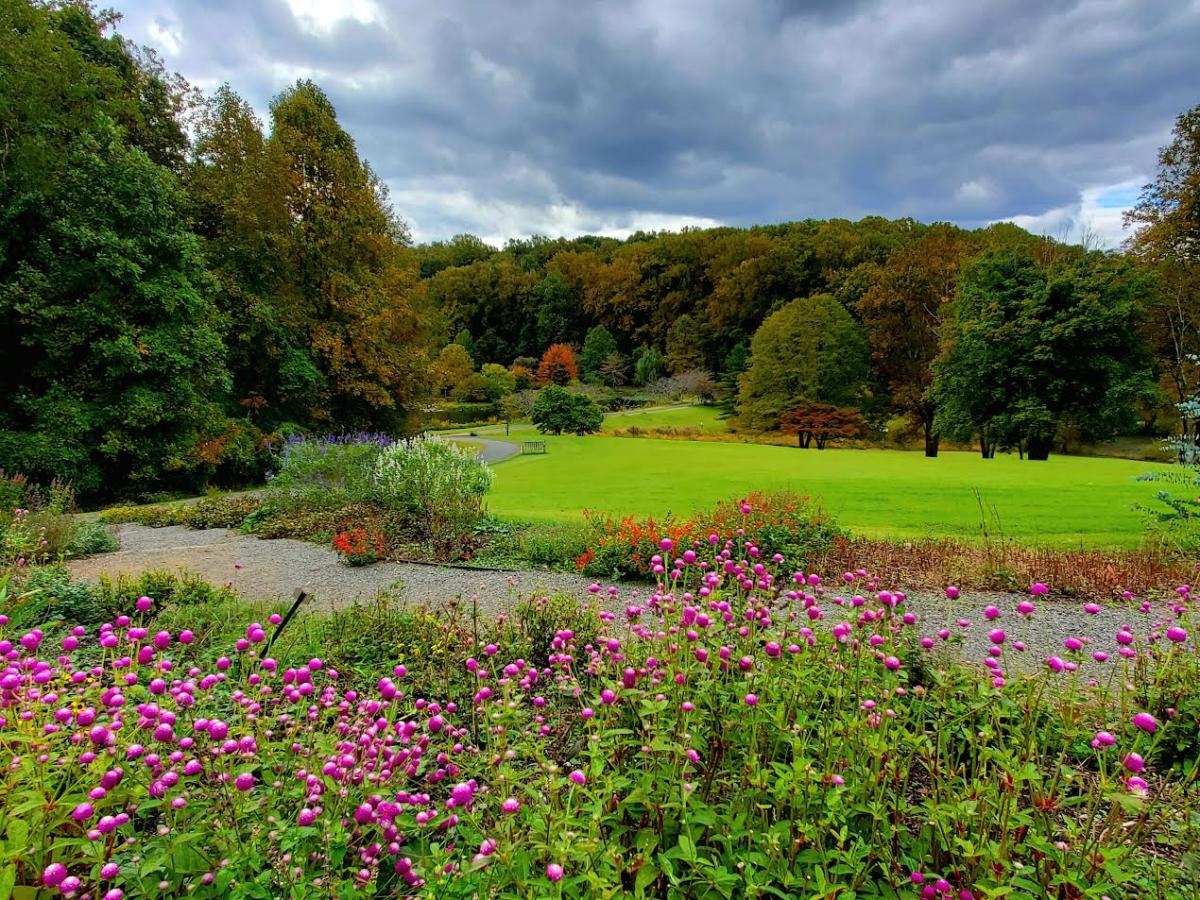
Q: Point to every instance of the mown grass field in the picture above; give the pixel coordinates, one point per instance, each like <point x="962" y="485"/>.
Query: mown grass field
<point x="706" y="418"/>
<point x="1065" y="502"/>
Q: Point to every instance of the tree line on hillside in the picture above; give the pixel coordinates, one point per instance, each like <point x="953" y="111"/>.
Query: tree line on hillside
<point x="183" y="283"/>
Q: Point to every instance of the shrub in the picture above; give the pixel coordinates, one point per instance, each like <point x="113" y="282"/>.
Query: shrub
<point x="783" y="523"/>
<point x="326" y="472"/>
<point x="439" y="485"/>
<point x="55" y="597"/>
<point x="359" y="547"/>
<point x="219" y="512"/>
<point x="119" y="596"/>
<point x="91" y="539"/>
<point x="155" y="516"/>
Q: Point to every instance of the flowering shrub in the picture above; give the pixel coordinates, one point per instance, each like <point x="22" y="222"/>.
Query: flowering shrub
<point x="325" y="472"/>
<point x="440" y="485"/>
<point x="359" y="547"/>
<point x="781" y="523"/>
<point x="765" y="732"/>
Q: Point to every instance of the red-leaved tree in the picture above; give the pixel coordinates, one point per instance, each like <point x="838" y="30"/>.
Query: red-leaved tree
<point x="821" y="421"/>
<point x="558" y="365"/>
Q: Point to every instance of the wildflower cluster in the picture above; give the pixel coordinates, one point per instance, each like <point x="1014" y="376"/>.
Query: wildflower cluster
<point x="742" y="728"/>
<point x="359" y="546"/>
<point x="780" y="522"/>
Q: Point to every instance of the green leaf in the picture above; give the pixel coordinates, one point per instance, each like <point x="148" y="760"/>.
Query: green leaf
<point x="645" y="877"/>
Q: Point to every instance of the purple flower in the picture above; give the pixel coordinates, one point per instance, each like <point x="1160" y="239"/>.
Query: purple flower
<point x="578" y="777"/>
<point x="751" y="699"/>
<point x="53" y="874"/>
<point x="1146" y="722"/>
<point x="554" y="872"/>
<point x="244" y="782"/>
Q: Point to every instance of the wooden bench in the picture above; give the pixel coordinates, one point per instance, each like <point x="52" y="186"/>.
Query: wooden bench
<point x="533" y="447"/>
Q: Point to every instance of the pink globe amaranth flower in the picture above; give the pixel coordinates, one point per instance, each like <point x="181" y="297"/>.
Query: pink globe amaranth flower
<point x="997" y="636"/>
<point x="511" y="805"/>
<point x="54" y="874"/>
<point x="462" y="794"/>
<point x="666" y="543"/>
<point x="1146" y="722"/>
<point x="1026" y="607"/>
<point x="186" y="637"/>
<point x="1137" y="785"/>
<point x="83" y="812"/>
<point x="307" y="817"/>
<point x="1073" y="644"/>
<point x="952" y="592"/>
<point x="244" y="782"/>
<point x="1134" y="762"/>
<point x="1103" y="739"/>
<point x="578" y="777"/>
<point x="892" y="663"/>
<point x="1055" y="664"/>
<point x="917" y="877"/>
<point x="144" y="604"/>
<point x="1176" y="634"/>
<point x="115" y="894"/>
<point x="1038" y="589"/>
<point x="751" y="699"/>
<point x="70" y="884"/>
<point x="991" y="612"/>
<point x="109" y="871"/>
<point x="1091" y="608"/>
<point x="554" y="872"/>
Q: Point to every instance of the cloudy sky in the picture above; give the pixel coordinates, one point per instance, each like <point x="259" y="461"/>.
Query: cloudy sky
<point x="509" y="117"/>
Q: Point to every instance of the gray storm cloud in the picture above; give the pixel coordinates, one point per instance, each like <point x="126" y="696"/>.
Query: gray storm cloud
<point x="518" y="116"/>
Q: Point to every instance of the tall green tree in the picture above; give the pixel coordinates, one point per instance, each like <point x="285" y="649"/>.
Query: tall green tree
<point x="114" y="344"/>
<point x="597" y="347"/>
<point x="647" y="365"/>
<point x="902" y="311"/>
<point x="242" y="220"/>
<point x="1167" y="242"/>
<point x="684" y="351"/>
<point x="810" y="351"/>
<point x="737" y="360"/>
<point x="346" y="277"/>
<point x="1027" y="350"/>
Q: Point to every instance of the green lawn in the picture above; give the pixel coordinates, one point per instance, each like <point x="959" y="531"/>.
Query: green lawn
<point x="706" y="418"/>
<point x="1065" y="502"/>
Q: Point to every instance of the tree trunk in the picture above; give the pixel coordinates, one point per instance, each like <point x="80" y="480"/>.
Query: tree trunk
<point x="821" y="439"/>
<point x="1039" y="448"/>
<point x="932" y="439"/>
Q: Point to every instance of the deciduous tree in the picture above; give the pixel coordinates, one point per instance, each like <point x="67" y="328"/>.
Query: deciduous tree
<point x="558" y="366"/>
<point x="1027" y="349"/>
<point x="810" y="351"/>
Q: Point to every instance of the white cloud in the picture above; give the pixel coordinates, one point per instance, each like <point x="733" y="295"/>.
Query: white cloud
<point x="323" y="16"/>
<point x="164" y="36"/>
<point x="495" y="221"/>
<point x="976" y="191"/>
<point x="1098" y="215"/>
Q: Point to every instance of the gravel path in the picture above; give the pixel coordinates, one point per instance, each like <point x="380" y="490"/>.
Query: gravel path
<point x="273" y="569"/>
